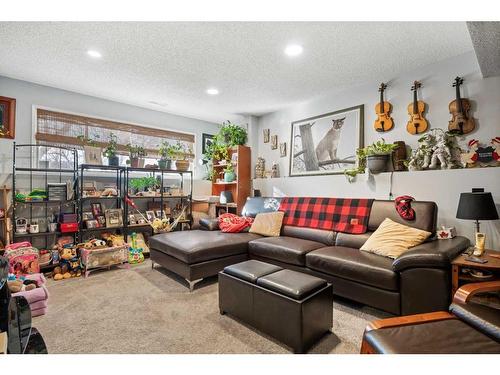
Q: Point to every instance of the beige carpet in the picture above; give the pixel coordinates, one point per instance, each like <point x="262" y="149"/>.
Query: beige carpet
<point x="140" y="310"/>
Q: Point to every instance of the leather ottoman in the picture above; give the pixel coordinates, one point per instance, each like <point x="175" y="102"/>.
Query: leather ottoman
<point x="293" y="307"/>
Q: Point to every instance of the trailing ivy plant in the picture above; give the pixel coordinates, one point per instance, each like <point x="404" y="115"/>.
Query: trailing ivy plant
<point x="231" y="134"/>
<point x="376" y="148"/>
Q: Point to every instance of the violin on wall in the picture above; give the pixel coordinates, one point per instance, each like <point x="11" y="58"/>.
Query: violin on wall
<point x="417" y="124"/>
<point x="460" y="121"/>
<point x="383" y="110"/>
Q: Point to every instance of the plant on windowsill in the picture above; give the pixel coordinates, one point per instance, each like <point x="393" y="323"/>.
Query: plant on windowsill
<point x="91" y="150"/>
<point x="136" y="156"/>
<point x="182" y="157"/>
<point x="375" y="157"/>
<point x="110" y="150"/>
<point x="167" y="153"/>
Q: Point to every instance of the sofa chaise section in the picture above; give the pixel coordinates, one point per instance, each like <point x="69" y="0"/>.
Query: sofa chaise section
<point x="197" y="254"/>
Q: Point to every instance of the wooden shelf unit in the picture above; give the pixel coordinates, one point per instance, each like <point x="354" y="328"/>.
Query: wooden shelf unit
<point x="240" y="188"/>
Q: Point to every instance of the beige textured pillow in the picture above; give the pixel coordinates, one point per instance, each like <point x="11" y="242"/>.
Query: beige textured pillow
<point x="268" y="224"/>
<point x="392" y="239"/>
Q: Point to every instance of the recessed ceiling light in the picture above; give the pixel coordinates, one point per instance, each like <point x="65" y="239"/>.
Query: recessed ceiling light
<point x="294" y="50"/>
<point x="93" y="53"/>
<point x="212" y="91"/>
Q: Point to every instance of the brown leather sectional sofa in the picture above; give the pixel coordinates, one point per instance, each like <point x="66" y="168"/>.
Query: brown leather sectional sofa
<point x="416" y="282"/>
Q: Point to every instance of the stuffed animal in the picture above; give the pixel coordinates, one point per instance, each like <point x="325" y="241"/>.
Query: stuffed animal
<point x="17" y="286"/>
<point x="70" y="265"/>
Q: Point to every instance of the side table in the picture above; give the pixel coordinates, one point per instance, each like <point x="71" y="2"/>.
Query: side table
<point x="458" y="278"/>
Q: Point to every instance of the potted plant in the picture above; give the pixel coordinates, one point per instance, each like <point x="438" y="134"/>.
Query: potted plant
<point x="136" y="185"/>
<point x="167" y="152"/>
<point x="229" y="175"/>
<point x="110" y="151"/>
<point x="378" y="155"/>
<point x="375" y="157"/>
<point x="231" y="134"/>
<point x="136" y="154"/>
<point x="181" y="154"/>
<point x="91" y="150"/>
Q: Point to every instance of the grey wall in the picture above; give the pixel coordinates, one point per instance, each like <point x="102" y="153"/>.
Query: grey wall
<point x="28" y="94"/>
<point x="443" y="187"/>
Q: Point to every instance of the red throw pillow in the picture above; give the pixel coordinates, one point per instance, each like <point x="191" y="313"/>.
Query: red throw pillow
<point x="231" y="223"/>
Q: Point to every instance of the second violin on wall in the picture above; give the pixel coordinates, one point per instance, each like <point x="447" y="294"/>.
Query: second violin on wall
<point x="417" y="123"/>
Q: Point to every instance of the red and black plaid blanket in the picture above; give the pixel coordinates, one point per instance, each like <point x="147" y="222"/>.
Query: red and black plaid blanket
<point x="348" y="215"/>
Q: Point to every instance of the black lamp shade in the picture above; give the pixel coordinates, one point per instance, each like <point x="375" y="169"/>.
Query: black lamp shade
<point x="476" y="206"/>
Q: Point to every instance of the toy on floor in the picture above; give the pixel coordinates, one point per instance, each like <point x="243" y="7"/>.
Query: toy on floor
<point x="70" y="265"/>
<point x="20" y="283"/>
<point x="135" y="255"/>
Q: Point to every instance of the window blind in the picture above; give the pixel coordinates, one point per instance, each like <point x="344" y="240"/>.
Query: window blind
<point x="60" y="128"/>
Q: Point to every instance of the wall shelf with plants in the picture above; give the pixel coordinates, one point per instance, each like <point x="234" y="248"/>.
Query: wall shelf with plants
<point x="228" y="163"/>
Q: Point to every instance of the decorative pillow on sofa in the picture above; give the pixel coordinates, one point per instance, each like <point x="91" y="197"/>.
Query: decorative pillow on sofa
<point x="392" y="239"/>
<point x="268" y="224"/>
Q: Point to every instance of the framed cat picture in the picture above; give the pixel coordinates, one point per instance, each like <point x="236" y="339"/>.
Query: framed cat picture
<point x="326" y="144"/>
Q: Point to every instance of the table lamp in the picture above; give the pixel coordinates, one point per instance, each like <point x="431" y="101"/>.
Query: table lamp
<point x="477" y="205"/>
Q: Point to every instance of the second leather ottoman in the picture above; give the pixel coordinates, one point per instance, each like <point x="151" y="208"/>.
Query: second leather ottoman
<point x="294" y="308"/>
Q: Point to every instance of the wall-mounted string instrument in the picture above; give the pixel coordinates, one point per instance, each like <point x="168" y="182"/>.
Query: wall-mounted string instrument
<point x="383" y="109"/>
<point x="417" y="124"/>
<point x="461" y="121"/>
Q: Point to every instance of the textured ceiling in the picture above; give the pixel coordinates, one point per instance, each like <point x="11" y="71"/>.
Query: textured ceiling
<point x="174" y="63"/>
<point x="486" y="39"/>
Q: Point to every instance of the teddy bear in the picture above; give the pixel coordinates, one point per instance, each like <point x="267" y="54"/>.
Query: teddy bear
<point x="69" y="264"/>
<point x="16" y="286"/>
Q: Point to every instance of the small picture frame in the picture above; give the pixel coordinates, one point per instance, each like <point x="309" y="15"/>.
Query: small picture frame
<point x="131" y="219"/>
<point x="150" y="215"/>
<point x="266" y="133"/>
<point x="274" y="142"/>
<point x="7" y="117"/>
<point x="87" y="215"/>
<point x="139" y="219"/>
<point x="114" y="217"/>
<point x="159" y="214"/>
<point x="91" y="224"/>
<point x="101" y="219"/>
<point x="283" y="149"/>
<point x="96" y="209"/>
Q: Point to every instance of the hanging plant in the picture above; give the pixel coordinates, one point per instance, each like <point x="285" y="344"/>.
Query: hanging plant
<point x="231" y="135"/>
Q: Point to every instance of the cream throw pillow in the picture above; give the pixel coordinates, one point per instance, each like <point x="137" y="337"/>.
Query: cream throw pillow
<point x="268" y="224"/>
<point x="392" y="239"/>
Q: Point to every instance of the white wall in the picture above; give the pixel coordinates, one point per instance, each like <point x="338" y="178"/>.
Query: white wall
<point x="444" y="187"/>
<point x="28" y="94"/>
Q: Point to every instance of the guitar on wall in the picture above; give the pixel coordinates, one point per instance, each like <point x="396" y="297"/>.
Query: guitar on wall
<point x="460" y="122"/>
<point x="383" y="110"/>
<point x="417" y="124"/>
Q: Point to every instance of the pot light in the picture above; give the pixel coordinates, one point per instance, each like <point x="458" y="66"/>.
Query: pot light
<point x="293" y="50"/>
<point x="94" y="54"/>
<point x="212" y="91"/>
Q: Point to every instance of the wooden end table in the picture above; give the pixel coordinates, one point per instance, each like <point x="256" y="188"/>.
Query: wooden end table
<point x="458" y="278"/>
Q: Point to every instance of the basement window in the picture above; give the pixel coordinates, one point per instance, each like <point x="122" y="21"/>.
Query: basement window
<point x="64" y="129"/>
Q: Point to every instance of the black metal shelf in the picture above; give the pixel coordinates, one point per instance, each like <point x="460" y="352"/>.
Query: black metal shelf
<point x="40" y="234"/>
<point x="185" y="198"/>
<point x="99" y="198"/>
<point x="100" y="229"/>
<point x="45" y="202"/>
<point x="164" y="171"/>
<point x="42" y="170"/>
